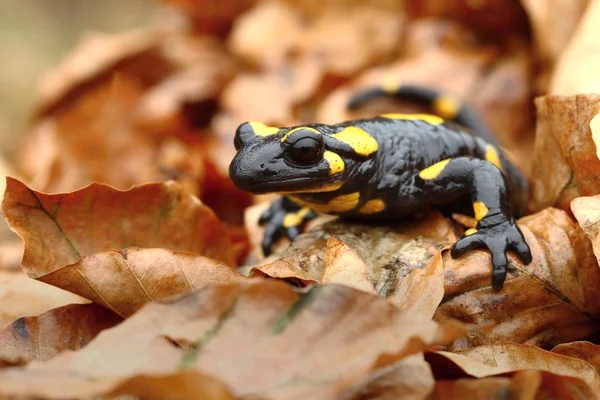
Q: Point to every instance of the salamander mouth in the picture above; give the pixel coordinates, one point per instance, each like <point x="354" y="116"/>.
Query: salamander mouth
<point x="293" y="185"/>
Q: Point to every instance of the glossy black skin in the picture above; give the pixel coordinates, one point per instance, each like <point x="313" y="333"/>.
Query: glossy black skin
<point x="406" y="147"/>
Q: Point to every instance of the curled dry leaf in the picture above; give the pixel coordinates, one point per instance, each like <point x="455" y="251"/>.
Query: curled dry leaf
<point x="587" y="212"/>
<point x="552" y="300"/>
<point x="553" y="22"/>
<point x="410" y="379"/>
<point x="577" y="68"/>
<point x="95" y="57"/>
<point x="21" y="296"/>
<point x="520" y="385"/>
<point x="565" y="162"/>
<point x="493" y="360"/>
<point x="397" y="262"/>
<point x="65" y="328"/>
<point x="585" y="351"/>
<point x="492" y="18"/>
<point x="339" y="335"/>
<point x="85" y="242"/>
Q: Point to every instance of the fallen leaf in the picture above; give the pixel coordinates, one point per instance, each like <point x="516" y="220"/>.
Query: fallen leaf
<point x="520" y="385"/>
<point x="96" y="56"/>
<point x="492" y="19"/>
<point x="86" y="242"/>
<point x="339" y="335"/>
<point x="410" y="378"/>
<point x="587" y="213"/>
<point x="552" y="300"/>
<point x="21" y="296"/>
<point x="576" y="69"/>
<point x="565" y="163"/>
<point x="585" y="351"/>
<point x="395" y="261"/>
<point x="509" y="359"/>
<point x="65" y="328"/>
<point x="345" y="267"/>
<point x="553" y="24"/>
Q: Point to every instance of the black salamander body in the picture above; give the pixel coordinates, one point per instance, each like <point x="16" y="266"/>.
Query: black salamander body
<point x="386" y="168"/>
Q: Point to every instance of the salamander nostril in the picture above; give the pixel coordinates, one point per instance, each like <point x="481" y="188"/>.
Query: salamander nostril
<point x="262" y="166"/>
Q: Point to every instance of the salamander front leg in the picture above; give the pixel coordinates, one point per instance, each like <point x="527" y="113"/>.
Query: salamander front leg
<point x="488" y="189"/>
<point x="283" y="218"/>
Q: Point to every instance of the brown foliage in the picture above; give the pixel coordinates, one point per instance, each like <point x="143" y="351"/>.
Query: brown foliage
<point x="121" y="195"/>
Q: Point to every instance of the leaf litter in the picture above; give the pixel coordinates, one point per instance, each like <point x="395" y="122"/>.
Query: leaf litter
<point x="142" y="273"/>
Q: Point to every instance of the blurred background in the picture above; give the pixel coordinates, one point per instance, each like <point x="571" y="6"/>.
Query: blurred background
<point x="36" y="34"/>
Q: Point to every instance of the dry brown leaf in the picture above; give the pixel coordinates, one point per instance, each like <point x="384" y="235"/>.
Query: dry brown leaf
<point x="210" y="16"/>
<point x="87" y="242"/>
<point x="65" y="328"/>
<point x="95" y="57"/>
<point x="494" y="19"/>
<point x="21" y="296"/>
<point x="577" y="68"/>
<point x="565" y="162"/>
<point x="544" y="371"/>
<point x="410" y="379"/>
<point x="553" y="23"/>
<point x="339" y="335"/>
<point x="266" y="34"/>
<point x="552" y="300"/>
<point x="249" y="97"/>
<point x="395" y="261"/>
<point x="520" y="385"/>
<point x="585" y="351"/>
<point x="587" y="212"/>
<point x="345" y="267"/>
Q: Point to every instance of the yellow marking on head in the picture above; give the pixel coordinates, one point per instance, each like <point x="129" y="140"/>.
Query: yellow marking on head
<point x="480" y="210"/>
<point x="433" y="171"/>
<point x="372" y="206"/>
<point x="261" y="129"/>
<point x="336" y="164"/>
<point x="361" y="142"/>
<point x="284" y="138"/>
<point x="390" y="84"/>
<point x="429" y="118"/>
<point x="470" y="232"/>
<point x="492" y="156"/>
<point x="339" y="204"/>
<point x="296" y="218"/>
<point x="447" y="106"/>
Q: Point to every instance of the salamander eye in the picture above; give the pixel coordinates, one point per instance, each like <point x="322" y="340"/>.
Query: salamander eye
<point x="306" y="151"/>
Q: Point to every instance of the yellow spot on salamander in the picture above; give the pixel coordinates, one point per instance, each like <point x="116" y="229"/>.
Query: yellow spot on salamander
<point x="296" y="218"/>
<point x="446" y="106"/>
<point x="492" y="156"/>
<point x="470" y="232"/>
<point x="430" y="119"/>
<point x="480" y="210"/>
<point x="361" y="142"/>
<point x="339" y="204"/>
<point x="390" y="85"/>
<point x="336" y="164"/>
<point x="433" y="171"/>
<point x="372" y="206"/>
<point x="595" y="128"/>
<point x="284" y="138"/>
<point x="261" y="129"/>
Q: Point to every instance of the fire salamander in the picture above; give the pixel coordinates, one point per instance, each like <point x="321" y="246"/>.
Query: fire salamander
<point x="385" y="168"/>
